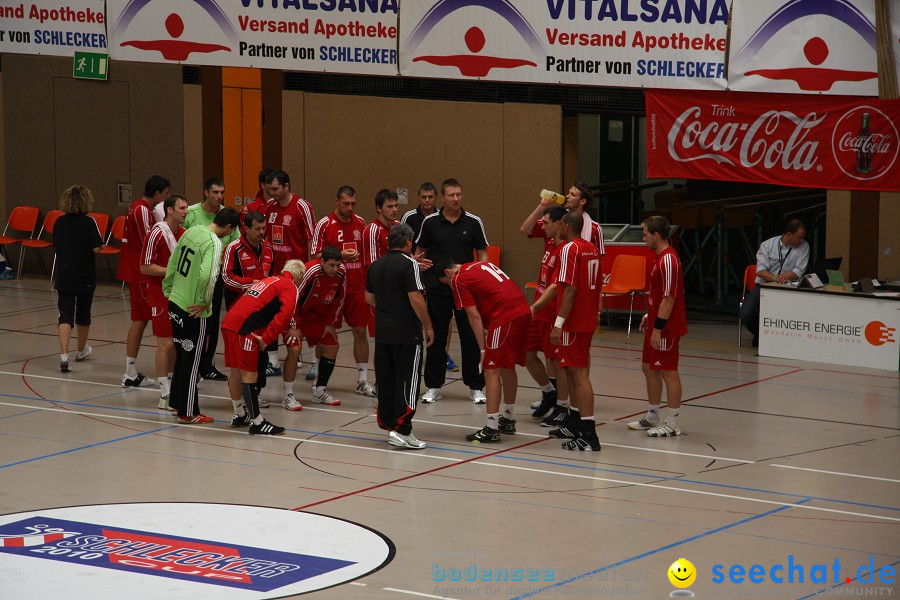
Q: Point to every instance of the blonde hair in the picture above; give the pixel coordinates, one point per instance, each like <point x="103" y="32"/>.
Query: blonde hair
<point x="296" y="268"/>
<point x="77" y="199"/>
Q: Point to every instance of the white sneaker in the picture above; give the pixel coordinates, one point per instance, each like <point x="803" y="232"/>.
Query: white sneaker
<point x="644" y="424"/>
<point x="313" y="372"/>
<point x="80" y="356"/>
<point x="404" y="441"/>
<point x="664" y="430"/>
<point x="477" y="397"/>
<point x="163" y="403"/>
<point x="431" y="395"/>
<point x="364" y="388"/>
<point x="536" y="404"/>
<point x="290" y="403"/>
<point x="140" y="381"/>
<point x="321" y="396"/>
<point x="262" y="403"/>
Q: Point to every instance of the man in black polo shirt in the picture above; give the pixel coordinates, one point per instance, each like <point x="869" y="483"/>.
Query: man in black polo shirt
<point x="451" y="233"/>
<point x="394" y="288"/>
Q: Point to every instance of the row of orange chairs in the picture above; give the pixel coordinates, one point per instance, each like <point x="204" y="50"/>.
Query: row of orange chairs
<point x="24" y="219"/>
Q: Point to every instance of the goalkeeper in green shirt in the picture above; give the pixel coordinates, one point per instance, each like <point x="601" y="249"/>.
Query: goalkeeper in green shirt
<point x="189" y="284"/>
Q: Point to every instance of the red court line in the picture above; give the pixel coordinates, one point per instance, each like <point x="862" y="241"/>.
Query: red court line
<point x="414" y="475"/>
<point x="734" y="387"/>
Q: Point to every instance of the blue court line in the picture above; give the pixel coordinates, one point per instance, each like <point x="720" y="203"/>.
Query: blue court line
<point x="27" y="412"/>
<point x="552" y="463"/>
<point x="119" y="439"/>
<point x="656" y="551"/>
<point x="843" y="583"/>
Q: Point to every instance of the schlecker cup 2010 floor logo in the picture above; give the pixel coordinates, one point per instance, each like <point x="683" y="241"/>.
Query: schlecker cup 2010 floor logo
<point x="182" y="551"/>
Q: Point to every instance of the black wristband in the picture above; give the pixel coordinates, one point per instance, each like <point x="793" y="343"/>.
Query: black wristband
<point x="660" y="323"/>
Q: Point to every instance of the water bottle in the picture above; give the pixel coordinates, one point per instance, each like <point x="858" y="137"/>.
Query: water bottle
<point x="555" y="197"/>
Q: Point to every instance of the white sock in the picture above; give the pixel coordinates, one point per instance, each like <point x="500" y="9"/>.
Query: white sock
<point x="493" y="420"/>
<point x="672" y="416"/>
<point x="164" y="386"/>
<point x="563" y="403"/>
<point x="238" y="406"/>
<point x="318" y="390"/>
<point x="273" y="357"/>
<point x="64" y="357"/>
<point x="131" y="367"/>
<point x="258" y="420"/>
<point x="288" y="387"/>
<point x="653" y="412"/>
<point x="548" y="388"/>
<point x="362" y="371"/>
<point x="508" y="411"/>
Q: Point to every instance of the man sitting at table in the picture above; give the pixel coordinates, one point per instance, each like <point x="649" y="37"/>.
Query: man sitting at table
<point x="780" y="259"/>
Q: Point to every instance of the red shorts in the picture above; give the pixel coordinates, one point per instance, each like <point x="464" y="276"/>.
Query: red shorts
<point x="241" y="352"/>
<point x="162" y="325"/>
<point x="140" y="306"/>
<point x="284" y="338"/>
<point x="314" y="333"/>
<point x="539" y="337"/>
<point x="356" y="311"/>
<point x="504" y="346"/>
<point x="664" y="359"/>
<point x="574" y="349"/>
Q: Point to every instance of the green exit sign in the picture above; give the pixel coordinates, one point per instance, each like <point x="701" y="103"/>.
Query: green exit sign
<point x="90" y="65"/>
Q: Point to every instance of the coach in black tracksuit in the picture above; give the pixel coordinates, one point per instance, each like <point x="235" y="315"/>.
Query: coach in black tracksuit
<point x="394" y="288"/>
<point x="451" y="233"/>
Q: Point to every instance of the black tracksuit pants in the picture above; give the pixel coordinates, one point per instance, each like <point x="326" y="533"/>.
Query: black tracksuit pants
<point x="188" y="334"/>
<point x="441" y="310"/>
<point x="397" y="369"/>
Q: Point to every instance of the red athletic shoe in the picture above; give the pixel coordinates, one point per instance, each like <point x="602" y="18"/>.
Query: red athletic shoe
<point x="195" y="420"/>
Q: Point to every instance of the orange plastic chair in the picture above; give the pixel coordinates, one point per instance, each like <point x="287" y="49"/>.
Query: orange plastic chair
<point x="38" y="243"/>
<point x="117" y="232"/>
<point x="628" y="277"/>
<point x="749" y="284"/>
<point x="23" y="219"/>
<point x="102" y="221"/>
<point x="493" y="253"/>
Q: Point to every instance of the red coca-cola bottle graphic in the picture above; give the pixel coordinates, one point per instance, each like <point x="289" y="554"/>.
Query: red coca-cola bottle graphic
<point x="864" y="147"/>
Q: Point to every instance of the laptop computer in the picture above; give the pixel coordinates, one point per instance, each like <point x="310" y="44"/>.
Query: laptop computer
<point x="822" y="267"/>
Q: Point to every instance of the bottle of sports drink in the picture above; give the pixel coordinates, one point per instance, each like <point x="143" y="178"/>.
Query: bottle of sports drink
<point x="555" y="197"/>
<point x="864" y="147"/>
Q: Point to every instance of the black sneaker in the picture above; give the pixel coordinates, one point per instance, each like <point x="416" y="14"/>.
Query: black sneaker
<point x="548" y="401"/>
<point x="485" y="435"/>
<point x="507" y="425"/>
<point x="583" y="444"/>
<point x="240" y="421"/>
<point x="557" y="417"/>
<point x="265" y="428"/>
<point x="215" y="375"/>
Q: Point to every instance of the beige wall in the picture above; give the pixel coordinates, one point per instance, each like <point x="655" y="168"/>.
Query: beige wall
<point x="889" y="237"/>
<point x="193" y="142"/>
<point x="502" y="154"/>
<point x="59" y="131"/>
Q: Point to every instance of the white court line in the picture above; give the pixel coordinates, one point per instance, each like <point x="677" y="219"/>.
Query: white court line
<point x="602" y="443"/>
<point x="420" y="594"/>
<point x="487" y="464"/>
<point x="153" y="389"/>
<point x="837" y="473"/>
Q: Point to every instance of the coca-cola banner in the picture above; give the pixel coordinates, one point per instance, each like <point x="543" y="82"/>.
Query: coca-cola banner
<point x="798" y="46"/>
<point x="808" y="141"/>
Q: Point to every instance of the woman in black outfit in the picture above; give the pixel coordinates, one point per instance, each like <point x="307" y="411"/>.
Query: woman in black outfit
<point x="76" y="239"/>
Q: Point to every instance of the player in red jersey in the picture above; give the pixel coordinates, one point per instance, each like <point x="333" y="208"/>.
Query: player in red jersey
<point x="253" y="322"/>
<point x="664" y="324"/>
<point x="137" y="226"/>
<point x="500" y="318"/>
<point x="289" y="220"/>
<point x="262" y="197"/>
<point x="320" y="309"/>
<point x="344" y="229"/>
<point x="289" y="228"/>
<point x="543" y="310"/>
<point x="157" y="250"/>
<point x="579" y="304"/>
<point x="577" y="200"/>
<point x="376" y="233"/>
<point x="539" y="334"/>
